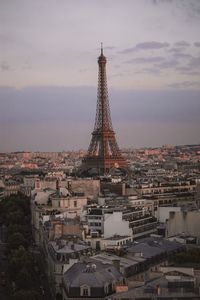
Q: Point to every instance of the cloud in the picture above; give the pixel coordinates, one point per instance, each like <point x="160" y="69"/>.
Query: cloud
<point x="151" y="45"/>
<point x="179" y="47"/>
<point x="182" y="55"/>
<point x="167" y="64"/>
<point x="192" y="66"/>
<point x="145" y="60"/>
<point x="183" y="68"/>
<point x="175" y="50"/>
<point x="194" y="62"/>
<point x="153" y="71"/>
<point x="184" y="84"/>
<point x="187" y="70"/>
<point x="192" y="73"/>
<point x="189" y="9"/>
<point x="197" y="44"/>
<point x="182" y="44"/>
<point x="161" y="1"/>
<point x="146" y="46"/>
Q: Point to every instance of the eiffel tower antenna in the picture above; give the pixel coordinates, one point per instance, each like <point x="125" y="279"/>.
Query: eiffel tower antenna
<point x="101" y="48"/>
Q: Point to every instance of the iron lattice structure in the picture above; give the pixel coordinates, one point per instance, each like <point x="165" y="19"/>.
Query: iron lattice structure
<point x="103" y="152"/>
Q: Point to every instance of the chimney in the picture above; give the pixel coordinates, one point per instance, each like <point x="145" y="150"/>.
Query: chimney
<point x="57" y="186"/>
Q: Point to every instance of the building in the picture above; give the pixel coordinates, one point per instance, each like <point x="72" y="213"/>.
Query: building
<point x="185" y="221"/>
<point x="61" y="255"/>
<point x="108" y="221"/>
<point x="87" y="187"/>
<point x="62" y="245"/>
<point x="11" y="188"/>
<point x="49" y="202"/>
<point x="169" y="283"/>
<point x="127" y="265"/>
<point x="91" y="280"/>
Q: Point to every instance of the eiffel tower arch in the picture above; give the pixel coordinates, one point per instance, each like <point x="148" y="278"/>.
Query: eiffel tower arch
<point x="103" y="153"/>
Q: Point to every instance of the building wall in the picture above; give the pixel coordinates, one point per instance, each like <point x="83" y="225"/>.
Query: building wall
<point x="184" y="222"/>
<point x="58" y="269"/>
<point x="117" y="188"/>
<point x="113" y="224"/>
<point x="89" y="187"/>
<point x="71" y="205"/>
<point x="114" y="243"/>
<point x="164" y="211"/>
<point x="60" y="229"/>
<point x="197" y="195"/>
<point x="29" y="181"/>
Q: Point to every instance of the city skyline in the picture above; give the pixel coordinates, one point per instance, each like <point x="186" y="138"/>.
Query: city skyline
<point x="48" y="72"/>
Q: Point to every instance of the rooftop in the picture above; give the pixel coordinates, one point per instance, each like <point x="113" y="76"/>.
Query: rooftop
<point x="152" y="246"/>
<point x="64" y="247"/>
<point x="93" y="275"/>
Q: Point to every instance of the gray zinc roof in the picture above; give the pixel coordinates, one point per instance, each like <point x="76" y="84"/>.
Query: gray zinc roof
<point x="83" y="274"/>
<point x="152" y="246"/>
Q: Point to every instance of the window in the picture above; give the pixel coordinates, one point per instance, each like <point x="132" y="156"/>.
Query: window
<point x="85" y="290"/>
<point x="75" y="203"/>
<point x="106" y="288"/>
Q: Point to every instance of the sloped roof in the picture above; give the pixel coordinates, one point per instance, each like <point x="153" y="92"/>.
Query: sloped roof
<point x="152" y="246"/>
<point x="93" y="275"/>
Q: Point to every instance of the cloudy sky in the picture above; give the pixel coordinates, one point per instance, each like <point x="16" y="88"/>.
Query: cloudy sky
<point x="48" y="71"/>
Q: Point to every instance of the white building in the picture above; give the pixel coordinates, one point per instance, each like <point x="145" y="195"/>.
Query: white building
<point x="163" y="212"/>
<point x="114" y="224"/>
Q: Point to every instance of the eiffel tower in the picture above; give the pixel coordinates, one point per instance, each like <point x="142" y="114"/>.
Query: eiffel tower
<point x="103" y="152"/>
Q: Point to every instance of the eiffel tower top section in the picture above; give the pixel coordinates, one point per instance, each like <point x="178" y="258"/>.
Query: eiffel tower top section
<point x="103" y="119"/>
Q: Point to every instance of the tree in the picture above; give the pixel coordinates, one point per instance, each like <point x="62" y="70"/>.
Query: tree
<point x="14" y="241"/>
<point x="24" y="230"/>
<point x="18" y="259"/>
<point x="26" y="295"/>
<point x="16" y="217"/>
<point x="23" y="279"/>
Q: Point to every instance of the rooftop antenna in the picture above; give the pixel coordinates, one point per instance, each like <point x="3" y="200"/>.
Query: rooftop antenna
<point x="101" y="48"/>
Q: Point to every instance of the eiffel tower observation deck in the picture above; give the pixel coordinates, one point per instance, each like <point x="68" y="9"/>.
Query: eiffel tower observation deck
<point x="103" y="152"/>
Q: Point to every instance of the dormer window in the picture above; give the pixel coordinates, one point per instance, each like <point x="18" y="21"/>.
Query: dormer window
<point x="113" y="285"/>
<point x="106" y="289"/>
<point x="85" y="290"/>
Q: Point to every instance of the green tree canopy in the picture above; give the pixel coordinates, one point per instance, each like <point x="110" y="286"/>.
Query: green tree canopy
<point x="24" y="230"/>
<point x="14" y="241"/>
<point x="20" y="258"/>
